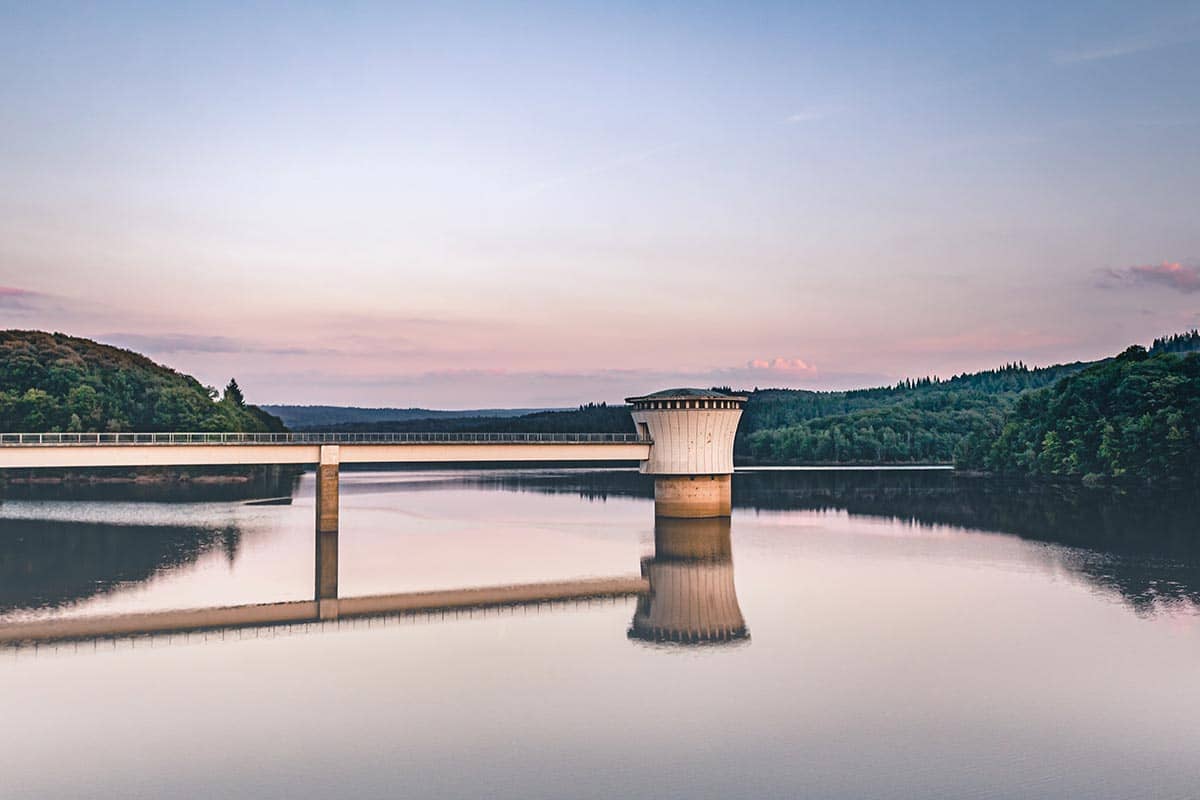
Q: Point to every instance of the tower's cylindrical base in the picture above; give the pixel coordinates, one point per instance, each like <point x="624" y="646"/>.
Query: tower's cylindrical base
<point x="692" y="496"/>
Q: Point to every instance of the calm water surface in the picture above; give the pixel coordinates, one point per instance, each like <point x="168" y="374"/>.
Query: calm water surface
<point x="884" y="635"/>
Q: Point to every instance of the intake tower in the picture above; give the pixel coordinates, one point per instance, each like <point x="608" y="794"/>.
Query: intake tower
<point x="692" y="455"/>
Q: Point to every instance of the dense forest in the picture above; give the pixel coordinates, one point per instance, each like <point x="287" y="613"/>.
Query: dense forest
<point x="1136" y="416"/>
<point x="53" y="382"/>
<point x="916" y="421"/>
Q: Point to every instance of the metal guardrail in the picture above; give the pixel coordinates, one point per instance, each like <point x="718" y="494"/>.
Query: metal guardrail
<point x="60" y="439"/>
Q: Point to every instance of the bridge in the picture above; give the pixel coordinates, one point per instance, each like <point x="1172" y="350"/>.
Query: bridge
<point x="85" y="450"/>
<point x="684" y="439"/>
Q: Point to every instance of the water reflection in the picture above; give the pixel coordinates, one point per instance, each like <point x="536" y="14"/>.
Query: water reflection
<point x="1142" y="548"/>
<point x="1142" y="545"/>
<point x="162" y="485"/>
<point x="692" y="598"/>
<point x="52" y="563"/>
<point x="890" y="659"/>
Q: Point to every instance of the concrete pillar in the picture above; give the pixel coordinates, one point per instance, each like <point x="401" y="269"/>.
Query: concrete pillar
<point x="326" y="560"/>
<point x="693" y="496"/>
<point x="691" y="598"/>
<point x="691" y="457"/>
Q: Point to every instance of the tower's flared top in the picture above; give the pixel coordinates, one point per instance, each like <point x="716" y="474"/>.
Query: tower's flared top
<point x="692" y="430"/>
<point x="687" y="398"/>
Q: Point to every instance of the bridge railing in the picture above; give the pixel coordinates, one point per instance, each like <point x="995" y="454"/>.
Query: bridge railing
<point x="59" y="439"/>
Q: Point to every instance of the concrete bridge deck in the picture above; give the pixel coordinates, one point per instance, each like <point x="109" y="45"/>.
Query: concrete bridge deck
<point x="78" y="450"/>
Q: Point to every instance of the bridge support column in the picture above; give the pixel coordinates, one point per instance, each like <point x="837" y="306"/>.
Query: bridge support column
<point x="326" y="560"/>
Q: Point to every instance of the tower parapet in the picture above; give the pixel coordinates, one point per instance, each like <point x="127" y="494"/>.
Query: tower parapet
<point x="692" y="452"/>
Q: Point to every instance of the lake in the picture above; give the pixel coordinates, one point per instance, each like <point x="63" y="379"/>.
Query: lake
<point x="846" y="634"/>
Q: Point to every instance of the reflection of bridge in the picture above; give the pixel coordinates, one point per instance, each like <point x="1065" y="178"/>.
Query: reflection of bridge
<point x="685" y="594"/>
<point x="318" y="609"/>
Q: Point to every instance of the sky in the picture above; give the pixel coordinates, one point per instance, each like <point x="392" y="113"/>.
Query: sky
<point x="521" y="204"/>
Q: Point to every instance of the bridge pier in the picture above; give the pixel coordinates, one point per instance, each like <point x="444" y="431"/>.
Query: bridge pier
<point x="326" y="557"/>
<point x="691" y="457"/>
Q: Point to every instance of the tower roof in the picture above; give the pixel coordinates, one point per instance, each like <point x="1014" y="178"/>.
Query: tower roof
<point x="686" y="394"/>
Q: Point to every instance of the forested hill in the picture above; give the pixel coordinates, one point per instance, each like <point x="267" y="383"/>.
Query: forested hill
<point x="53" y="382"/>
<point x="922" y="421"/>
<point x="590" y="418"/>
<point x="1136" y="416"/>
<point x="916" y="421"/>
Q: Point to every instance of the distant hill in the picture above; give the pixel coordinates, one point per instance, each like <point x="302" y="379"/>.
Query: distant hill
<point x="323" y="417"/>
<point x="54" y="382"/>
<point x="590" y="418"/>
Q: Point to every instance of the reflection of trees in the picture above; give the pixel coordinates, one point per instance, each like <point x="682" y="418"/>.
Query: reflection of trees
<point x="692" y="597"/>
<point x="45" y="563"/>
<point x="152" y="484"/>
<point x="596" y="485"/>
<point x="1143" y="545"/>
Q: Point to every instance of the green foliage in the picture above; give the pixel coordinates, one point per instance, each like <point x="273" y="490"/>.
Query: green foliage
<point x="916" y="421"/>
<point x="53" y="382"/>
<point x="1135" y="416"/>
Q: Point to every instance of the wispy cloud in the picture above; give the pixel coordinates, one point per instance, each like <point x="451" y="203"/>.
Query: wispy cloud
<point x="13" y="298"/>
<point x="1171" y="274"/>
<point x="1127" y="47"/>
<point x="192" y="343"/>
<point x="809" y="115"/>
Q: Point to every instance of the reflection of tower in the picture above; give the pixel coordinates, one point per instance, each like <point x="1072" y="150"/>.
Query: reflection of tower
<point x="691" y="597"/>
<point x="691" y="457"/>
<point x="326" y="557"/>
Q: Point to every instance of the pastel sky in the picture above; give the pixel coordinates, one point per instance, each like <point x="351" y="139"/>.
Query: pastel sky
<point x="467" y="205"/>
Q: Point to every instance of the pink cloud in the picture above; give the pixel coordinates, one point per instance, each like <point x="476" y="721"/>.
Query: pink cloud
<point x="782" y="365"/>
<point x="14" y="298"/>
<point x="1172" y="274"/>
